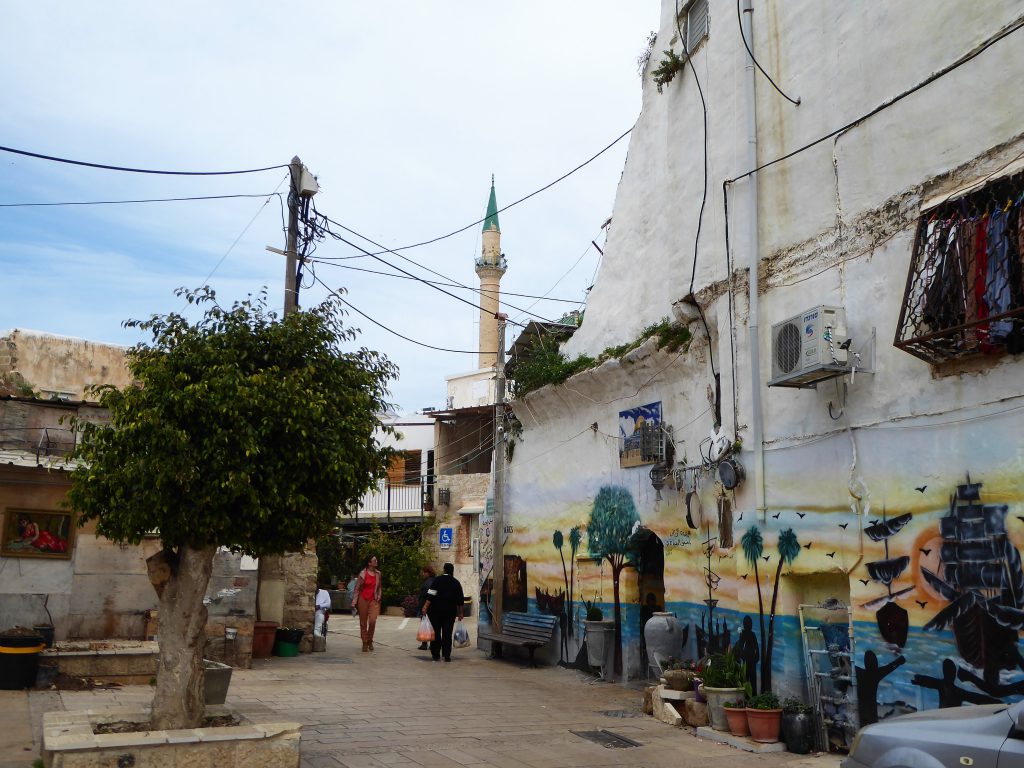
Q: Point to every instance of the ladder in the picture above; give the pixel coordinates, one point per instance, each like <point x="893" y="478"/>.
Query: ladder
<point x="826" y="630"/>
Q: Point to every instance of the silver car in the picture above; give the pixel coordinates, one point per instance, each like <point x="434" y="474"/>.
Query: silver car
<point x="985" y="736"/>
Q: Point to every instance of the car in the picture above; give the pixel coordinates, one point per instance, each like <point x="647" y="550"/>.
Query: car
<point x="982" y="736"/>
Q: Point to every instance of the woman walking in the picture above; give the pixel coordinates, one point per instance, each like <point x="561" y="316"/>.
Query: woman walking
<point x="427" y="574"/>
<point x="368" y="592"/>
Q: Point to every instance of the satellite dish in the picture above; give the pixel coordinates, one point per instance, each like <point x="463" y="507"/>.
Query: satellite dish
<point x="720" y="443"/>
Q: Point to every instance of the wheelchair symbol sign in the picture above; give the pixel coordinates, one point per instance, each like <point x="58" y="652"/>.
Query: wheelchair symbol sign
<point x="444" y="538"/>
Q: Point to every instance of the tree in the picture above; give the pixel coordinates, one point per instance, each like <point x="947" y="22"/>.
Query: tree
<point x="401" y="554"/>
<point x="753" y="549"/>
<point x="789" y="548"/>
<point x="243" y="430"/>
<point x="611" y="524"/>
<point x="574" y="546"/>
<point x="557" y="540"/>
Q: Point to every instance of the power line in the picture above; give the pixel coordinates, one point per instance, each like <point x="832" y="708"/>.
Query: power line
<point x="327" y="261"/>
<point x="126" y="202"/>
<point x="743" y="37"/>
<point x="1006" y="32"/>
<point x="391" y="330"/>
<point x="517" y="202"/>
<point x="126" y="169"/>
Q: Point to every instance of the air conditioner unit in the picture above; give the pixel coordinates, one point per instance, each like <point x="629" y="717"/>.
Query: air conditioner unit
<point x="809" y="348"/>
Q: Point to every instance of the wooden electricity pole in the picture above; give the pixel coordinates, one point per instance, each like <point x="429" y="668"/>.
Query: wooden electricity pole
<point x="291" y="262"/>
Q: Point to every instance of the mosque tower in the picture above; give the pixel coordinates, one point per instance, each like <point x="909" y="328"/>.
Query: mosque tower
<point x="489" y="268"/>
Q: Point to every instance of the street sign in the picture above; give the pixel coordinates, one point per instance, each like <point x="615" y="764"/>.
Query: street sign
<point x="444" y="537"/>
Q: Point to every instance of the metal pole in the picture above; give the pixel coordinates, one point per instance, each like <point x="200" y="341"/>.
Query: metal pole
<point x="499" y="476"/>
<point x="291" y="246"/>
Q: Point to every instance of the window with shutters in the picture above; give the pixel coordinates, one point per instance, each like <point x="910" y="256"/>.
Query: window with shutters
<point x="694" y="22"/>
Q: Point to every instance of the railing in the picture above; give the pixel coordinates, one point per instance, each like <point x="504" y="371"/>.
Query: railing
<point x="390" y="500"/>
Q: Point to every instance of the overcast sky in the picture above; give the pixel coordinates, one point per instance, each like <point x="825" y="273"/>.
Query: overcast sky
<point x="403" y="110"/>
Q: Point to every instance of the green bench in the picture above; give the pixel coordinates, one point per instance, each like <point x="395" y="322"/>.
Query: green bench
<point x="522" y="630"/>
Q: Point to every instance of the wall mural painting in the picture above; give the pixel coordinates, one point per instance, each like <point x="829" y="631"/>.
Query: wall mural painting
<point x="632" y="424"/>
<point x="893" y="619"/>
<point x="564" y="610"/>
<point x="515" y="592"/>
<point x="613" y="519"/>
<point x="753" y="551"/>
<point x="36" y="533"/>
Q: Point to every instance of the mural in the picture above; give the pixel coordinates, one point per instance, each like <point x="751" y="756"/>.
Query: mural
<point x="893" y="619"/>
<point x="36" y="533"/>
<point x="635" y="425"/>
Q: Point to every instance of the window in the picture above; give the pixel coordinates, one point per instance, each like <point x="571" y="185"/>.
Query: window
<point x="965" y="289"/>
<point x="695" y="23"/>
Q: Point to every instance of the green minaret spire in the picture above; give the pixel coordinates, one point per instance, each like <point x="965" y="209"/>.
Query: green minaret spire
<point x="491" y="222"/>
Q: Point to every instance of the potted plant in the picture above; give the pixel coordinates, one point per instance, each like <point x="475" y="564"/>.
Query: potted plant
<point x="736" y="714"/>
<point x="679" y="675"/>
<point x="725" y="679"/>
<point x="764" y="717"/>
<point x="797" y="726"/>
<point x="597" y="631"/>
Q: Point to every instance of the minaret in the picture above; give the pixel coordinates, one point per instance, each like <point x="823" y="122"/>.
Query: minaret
<point x="489" y="268"/>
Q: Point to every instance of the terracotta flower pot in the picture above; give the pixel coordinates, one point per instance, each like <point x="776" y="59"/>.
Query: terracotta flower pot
<point x="737" y="717"/>
<point x="764" y="724"/>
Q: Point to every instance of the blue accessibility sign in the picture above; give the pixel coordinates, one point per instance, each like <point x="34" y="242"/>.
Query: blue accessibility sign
<point x="444" y="537"/>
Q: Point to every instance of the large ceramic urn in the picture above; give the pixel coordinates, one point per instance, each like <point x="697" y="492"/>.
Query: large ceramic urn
<point x="663" y="636"/>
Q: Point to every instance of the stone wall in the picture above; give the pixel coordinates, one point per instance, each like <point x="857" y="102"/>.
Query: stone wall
<point x="60" y="366"/>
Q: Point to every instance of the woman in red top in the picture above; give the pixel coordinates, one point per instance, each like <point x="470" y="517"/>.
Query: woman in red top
<point x="368" y="601"/>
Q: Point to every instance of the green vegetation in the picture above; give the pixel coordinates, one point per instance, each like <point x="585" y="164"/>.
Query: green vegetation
<point x="767" y="700"/>
<point x="246" y="431"/>
<point x="547" y="365"/>
<point x="401" y="555"/>
<point x="667" y="68"/>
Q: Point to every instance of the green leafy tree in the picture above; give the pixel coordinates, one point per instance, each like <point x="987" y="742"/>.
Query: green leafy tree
<point x="753" y="549"/>
<point x="401" y="556"/>
<point x="574" y="546"/>
<point x="244" y="430"/>
<point x="789" y="548"/>
<point x="611" y="524"/>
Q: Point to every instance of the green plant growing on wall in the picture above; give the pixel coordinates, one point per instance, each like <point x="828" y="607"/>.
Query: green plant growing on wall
<point x="667" y="69"/>
<point x="245" y="430"/>
<point x="402" y="554"/>
<point x="611" y="522"/>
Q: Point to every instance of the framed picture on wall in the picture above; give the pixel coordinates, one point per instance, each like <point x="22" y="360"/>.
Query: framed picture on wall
<point x="36" y="533"/>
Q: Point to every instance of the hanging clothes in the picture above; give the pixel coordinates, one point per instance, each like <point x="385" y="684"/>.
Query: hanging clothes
<point x="965" y="251"/>
<point x="980" y="273"/>
<point x="997" y="277"/>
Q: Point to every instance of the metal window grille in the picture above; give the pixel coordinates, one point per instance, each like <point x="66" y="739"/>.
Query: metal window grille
<point x="696" y="23"/>
<point x="965" y="287"/>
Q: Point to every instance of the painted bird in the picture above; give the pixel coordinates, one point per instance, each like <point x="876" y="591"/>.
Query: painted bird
<point x="808" y="545"/>
<point x="864" y="581"/>
<point x="744" y="576"/>
<point x="831" y="554"/>
<point x="922" y="603"/>
<point x="925" y="551"/>
<point x="766" y="558"/>
<point x="801" y="515"/>
<point x="920" y="488"/>
<point x="776" y="515"/>
<point x="843" y="525"/>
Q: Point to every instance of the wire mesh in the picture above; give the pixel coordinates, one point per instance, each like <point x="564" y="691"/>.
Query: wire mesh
<point x="965" y="288"/>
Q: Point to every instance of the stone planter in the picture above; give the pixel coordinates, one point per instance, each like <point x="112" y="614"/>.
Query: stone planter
<point x="600" y="637"/>
<point x="679" y="679"/>
<point x="737" y="717"/>
<point x="716" y="699"/>
<point x="764" y="724"/>
<point x="69" y="742"/>
<point x="216" y="679"/>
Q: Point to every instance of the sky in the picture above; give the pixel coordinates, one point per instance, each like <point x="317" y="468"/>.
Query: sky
<point x="402" y="110"/>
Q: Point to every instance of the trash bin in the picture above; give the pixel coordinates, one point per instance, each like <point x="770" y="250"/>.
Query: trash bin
<point x="19" y="658"/>
<point x="286" y="641"/>
<point x="263" y="636"/>
<point x="467" y="606"/>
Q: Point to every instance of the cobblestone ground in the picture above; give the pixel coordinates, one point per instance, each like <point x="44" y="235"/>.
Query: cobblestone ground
<point x="395" y="707"/>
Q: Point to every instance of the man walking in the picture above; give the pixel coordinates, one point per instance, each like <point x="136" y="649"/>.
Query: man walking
<point x="444" y="602"/>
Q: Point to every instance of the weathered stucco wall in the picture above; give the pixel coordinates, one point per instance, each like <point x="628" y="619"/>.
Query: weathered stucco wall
<point x="60" y="365"/>
<point x="836" y="226"/>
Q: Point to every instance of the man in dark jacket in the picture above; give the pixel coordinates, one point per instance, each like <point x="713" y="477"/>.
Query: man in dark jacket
<point x="444" y="602"/>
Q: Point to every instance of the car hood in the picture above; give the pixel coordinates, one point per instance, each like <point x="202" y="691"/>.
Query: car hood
<point x="941" y="716"/>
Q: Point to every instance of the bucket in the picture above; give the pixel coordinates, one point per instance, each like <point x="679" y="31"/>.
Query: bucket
<point x="263" y="639"/>
<point x="283" y="648"/>
<point x="46" y="632"/>
<point x="286" y="642"/>
<point x="19" y="658"/>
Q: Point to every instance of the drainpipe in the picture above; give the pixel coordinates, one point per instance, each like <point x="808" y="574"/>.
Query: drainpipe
<point x="753" y="245"/>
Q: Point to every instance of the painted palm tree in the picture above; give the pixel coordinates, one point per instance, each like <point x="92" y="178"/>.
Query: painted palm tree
<point x="558" y="541"/>
<point x="789" y="548"/>
<point x="753" y="549"/>
<point x="574" y="545"/>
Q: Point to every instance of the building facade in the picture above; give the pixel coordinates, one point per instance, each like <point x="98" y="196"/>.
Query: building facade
<point x="867" y="504"/>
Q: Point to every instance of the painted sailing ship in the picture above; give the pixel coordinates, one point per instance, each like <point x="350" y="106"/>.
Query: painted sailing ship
<point x="893" y="619"/>
<point x="983" y="581"/>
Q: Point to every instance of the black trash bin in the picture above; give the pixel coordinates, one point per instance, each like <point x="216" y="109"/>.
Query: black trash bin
<point x="19" y="658"/>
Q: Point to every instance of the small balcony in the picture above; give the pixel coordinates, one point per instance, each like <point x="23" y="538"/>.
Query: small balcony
<point x="392" y="501"/>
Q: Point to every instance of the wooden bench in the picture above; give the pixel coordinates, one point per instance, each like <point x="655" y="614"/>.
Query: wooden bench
<point x="523" y="630"/>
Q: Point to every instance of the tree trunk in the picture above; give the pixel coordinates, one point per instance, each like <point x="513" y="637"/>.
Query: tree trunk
<point x="565" y="608"/>
<point x="766" y="658"/>
<point x="178" y="702"/>
<point x="760" y="615"/>
<point x="616" y="571"/>
<point x="572" y="581"/>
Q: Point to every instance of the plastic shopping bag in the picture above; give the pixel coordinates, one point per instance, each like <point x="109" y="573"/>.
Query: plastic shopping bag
<point x="425" y="634"/>
<point x="460" y="637"/>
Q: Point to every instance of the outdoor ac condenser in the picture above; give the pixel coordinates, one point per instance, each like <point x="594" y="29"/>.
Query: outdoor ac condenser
<point x="809" y="347"/>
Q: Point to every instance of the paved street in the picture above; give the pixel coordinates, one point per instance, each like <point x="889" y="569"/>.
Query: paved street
<point x="395" y="707"/>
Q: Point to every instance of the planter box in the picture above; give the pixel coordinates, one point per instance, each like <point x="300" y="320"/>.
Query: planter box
<point x="216" y="679"/>
<point x="112" y="661"/>
<point x="68" y="742"/>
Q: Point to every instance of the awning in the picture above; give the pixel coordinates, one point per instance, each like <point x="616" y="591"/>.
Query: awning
<point x="472" y="509"/>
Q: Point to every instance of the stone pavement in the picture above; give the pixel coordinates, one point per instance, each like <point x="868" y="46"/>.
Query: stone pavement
<point x="395" y="707"/>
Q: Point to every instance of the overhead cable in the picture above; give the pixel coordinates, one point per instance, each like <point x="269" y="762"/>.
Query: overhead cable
<point x="739" y="19"/>
<point x="126" y="169"/>
<point x="126" y="202"/>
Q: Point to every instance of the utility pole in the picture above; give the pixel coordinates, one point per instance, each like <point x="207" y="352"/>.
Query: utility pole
<point x="291" y="261"/>
<point x="498" y="588"/>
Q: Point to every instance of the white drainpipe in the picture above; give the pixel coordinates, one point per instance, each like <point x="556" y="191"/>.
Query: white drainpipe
<point x="753" y="322"/>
